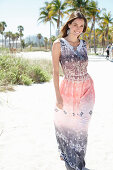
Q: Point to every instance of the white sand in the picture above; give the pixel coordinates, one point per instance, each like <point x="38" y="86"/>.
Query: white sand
<point x="28" y="140"/>
<point x="35" y="55"/>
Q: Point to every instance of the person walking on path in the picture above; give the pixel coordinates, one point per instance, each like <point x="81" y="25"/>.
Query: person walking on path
<point x="75" y="96"/>
<point x="111" y="52"/>
<point x="107" y="50"/>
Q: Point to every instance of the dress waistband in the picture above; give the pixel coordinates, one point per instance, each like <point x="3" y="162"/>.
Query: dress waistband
<point x="77" y="77"/>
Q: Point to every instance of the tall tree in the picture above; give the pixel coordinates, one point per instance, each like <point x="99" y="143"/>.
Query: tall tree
<point x="107" y="19"/>
<point x="81" y="5"/>
<point x="46" y="42"/>
<point x="57" y="10"/>
<point x="1" y="28"/>
<point x="101" y="31"/>
<point x="46" y="17"/>
<point x="5" y="36"/>
<point x="9" y="35"/>
<point x="110" y="35"/>
<point x="13" y="38"/>
<point x="17" y="37"/>
<point x="20" y="29"/>
<point x="93" y="16"/>
<point x="3" y="25"/>
<point x="39" y="37"/>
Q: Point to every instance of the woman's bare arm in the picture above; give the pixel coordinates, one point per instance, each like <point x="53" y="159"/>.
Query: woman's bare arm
<point x="55" y="62"/>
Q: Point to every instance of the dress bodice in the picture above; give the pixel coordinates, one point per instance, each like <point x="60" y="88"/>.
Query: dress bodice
<point x="74" y="62"/>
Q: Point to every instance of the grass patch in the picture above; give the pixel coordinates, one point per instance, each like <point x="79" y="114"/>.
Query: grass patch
<point x="19" y="71"/>
<point x="32" y="49"/>
<point x="46" y="65"/>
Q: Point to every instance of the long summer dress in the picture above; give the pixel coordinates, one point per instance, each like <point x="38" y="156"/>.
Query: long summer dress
<point x="77" y="90"/>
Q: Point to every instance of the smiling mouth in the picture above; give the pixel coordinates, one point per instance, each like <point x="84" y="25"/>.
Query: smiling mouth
<point x="77" y="32"/>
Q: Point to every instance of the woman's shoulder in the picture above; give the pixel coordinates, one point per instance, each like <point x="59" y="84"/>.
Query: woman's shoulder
<point x="57" y="41"/>
<point x="56" y="44"/>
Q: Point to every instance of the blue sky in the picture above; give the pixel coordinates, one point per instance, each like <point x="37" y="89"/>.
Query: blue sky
<point x="26" y="13"/>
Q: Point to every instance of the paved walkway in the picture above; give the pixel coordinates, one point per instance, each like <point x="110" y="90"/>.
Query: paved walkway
<point x="27" y="140"/>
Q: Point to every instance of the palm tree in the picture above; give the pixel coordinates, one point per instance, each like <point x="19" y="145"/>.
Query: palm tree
<point x="58" y="9"/>
<point x="46" y="42"/>
<point x="9" y="35"/>
<point x="97" y="40"/>
<point x="110" y="35"/>
<point x="101" y="32"/>
<point x="45" y="16"/>
<point x="16" y="36"/>
<point x="5" y="36"/>
<point x="3" y="25"/>
<point x="20" y="29"/>
<point x="23" y="43"/>
<point x="13" y="38"/>
<point x="86" y="34"/>
<point x="1" y="28"/>
<point x="81" y="5"/>
<point x="39" y="37"/>
<point x="53" y="38"/>
<point x="93" y="16"/>
<point x="107" y="19"/>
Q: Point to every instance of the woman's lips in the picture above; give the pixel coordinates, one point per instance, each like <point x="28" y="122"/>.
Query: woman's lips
<point x="77" y="32"/>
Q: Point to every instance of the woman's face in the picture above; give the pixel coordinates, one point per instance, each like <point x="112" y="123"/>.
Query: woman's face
<point x="76" y="27"/>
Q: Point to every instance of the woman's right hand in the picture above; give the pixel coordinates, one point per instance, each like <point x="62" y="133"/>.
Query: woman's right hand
<point x="59" y="102"/>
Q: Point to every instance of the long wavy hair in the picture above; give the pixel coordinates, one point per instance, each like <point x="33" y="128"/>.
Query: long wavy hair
<point x="73" y="16"/>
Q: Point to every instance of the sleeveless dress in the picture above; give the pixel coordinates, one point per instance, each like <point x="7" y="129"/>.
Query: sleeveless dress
<point x="77" y="90"/>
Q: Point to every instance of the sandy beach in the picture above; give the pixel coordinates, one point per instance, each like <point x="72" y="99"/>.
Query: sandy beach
<point x="27" y="140"/>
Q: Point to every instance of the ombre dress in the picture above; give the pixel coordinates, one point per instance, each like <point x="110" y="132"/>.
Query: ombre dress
<point x="77" y="90"/>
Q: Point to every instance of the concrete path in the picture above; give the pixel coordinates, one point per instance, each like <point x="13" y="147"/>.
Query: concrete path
<point x="27" y="137"/>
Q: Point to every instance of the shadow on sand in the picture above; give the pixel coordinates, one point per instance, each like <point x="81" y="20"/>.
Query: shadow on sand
<point x="87" y="169"/>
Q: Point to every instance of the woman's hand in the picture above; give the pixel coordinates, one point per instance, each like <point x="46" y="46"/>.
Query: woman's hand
<point x="59" y="102"/>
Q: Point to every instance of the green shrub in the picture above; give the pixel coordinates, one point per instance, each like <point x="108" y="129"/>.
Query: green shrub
<point x="26" y="80"/>
<point x="46" y="65"/>
<point x="39" y="75"/>
<point x="19" y="71"/>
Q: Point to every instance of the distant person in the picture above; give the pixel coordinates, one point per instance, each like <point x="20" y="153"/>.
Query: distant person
<point x="111" y="52"/>
<point x="75" y="97"/>
<point x="107" y="50"/>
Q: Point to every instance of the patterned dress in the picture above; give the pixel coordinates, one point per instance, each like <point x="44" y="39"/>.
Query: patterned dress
<point x="77" y="90"/>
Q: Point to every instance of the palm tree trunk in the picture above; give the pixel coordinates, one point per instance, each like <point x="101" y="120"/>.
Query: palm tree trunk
<point x="20" y="44"/>
<point x="103" y="42"/>
<point x="5" y="42"/>
<point x="92" y="26"/>
<point x="94" y="40"/>
<point x="50" y="37"/>
<point x="2" y="40"/>
<point x="39" y="43"/>
<point x="58" y="23"/>
<point x="13" y="43"/>
<point x="107" y="30"/>
<point x="16" y="43"/>
<point x="46" y="45"/>
<point x="9" y="43"/>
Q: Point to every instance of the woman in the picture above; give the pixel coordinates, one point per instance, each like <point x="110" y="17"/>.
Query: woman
<point x="75" y="96"/>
